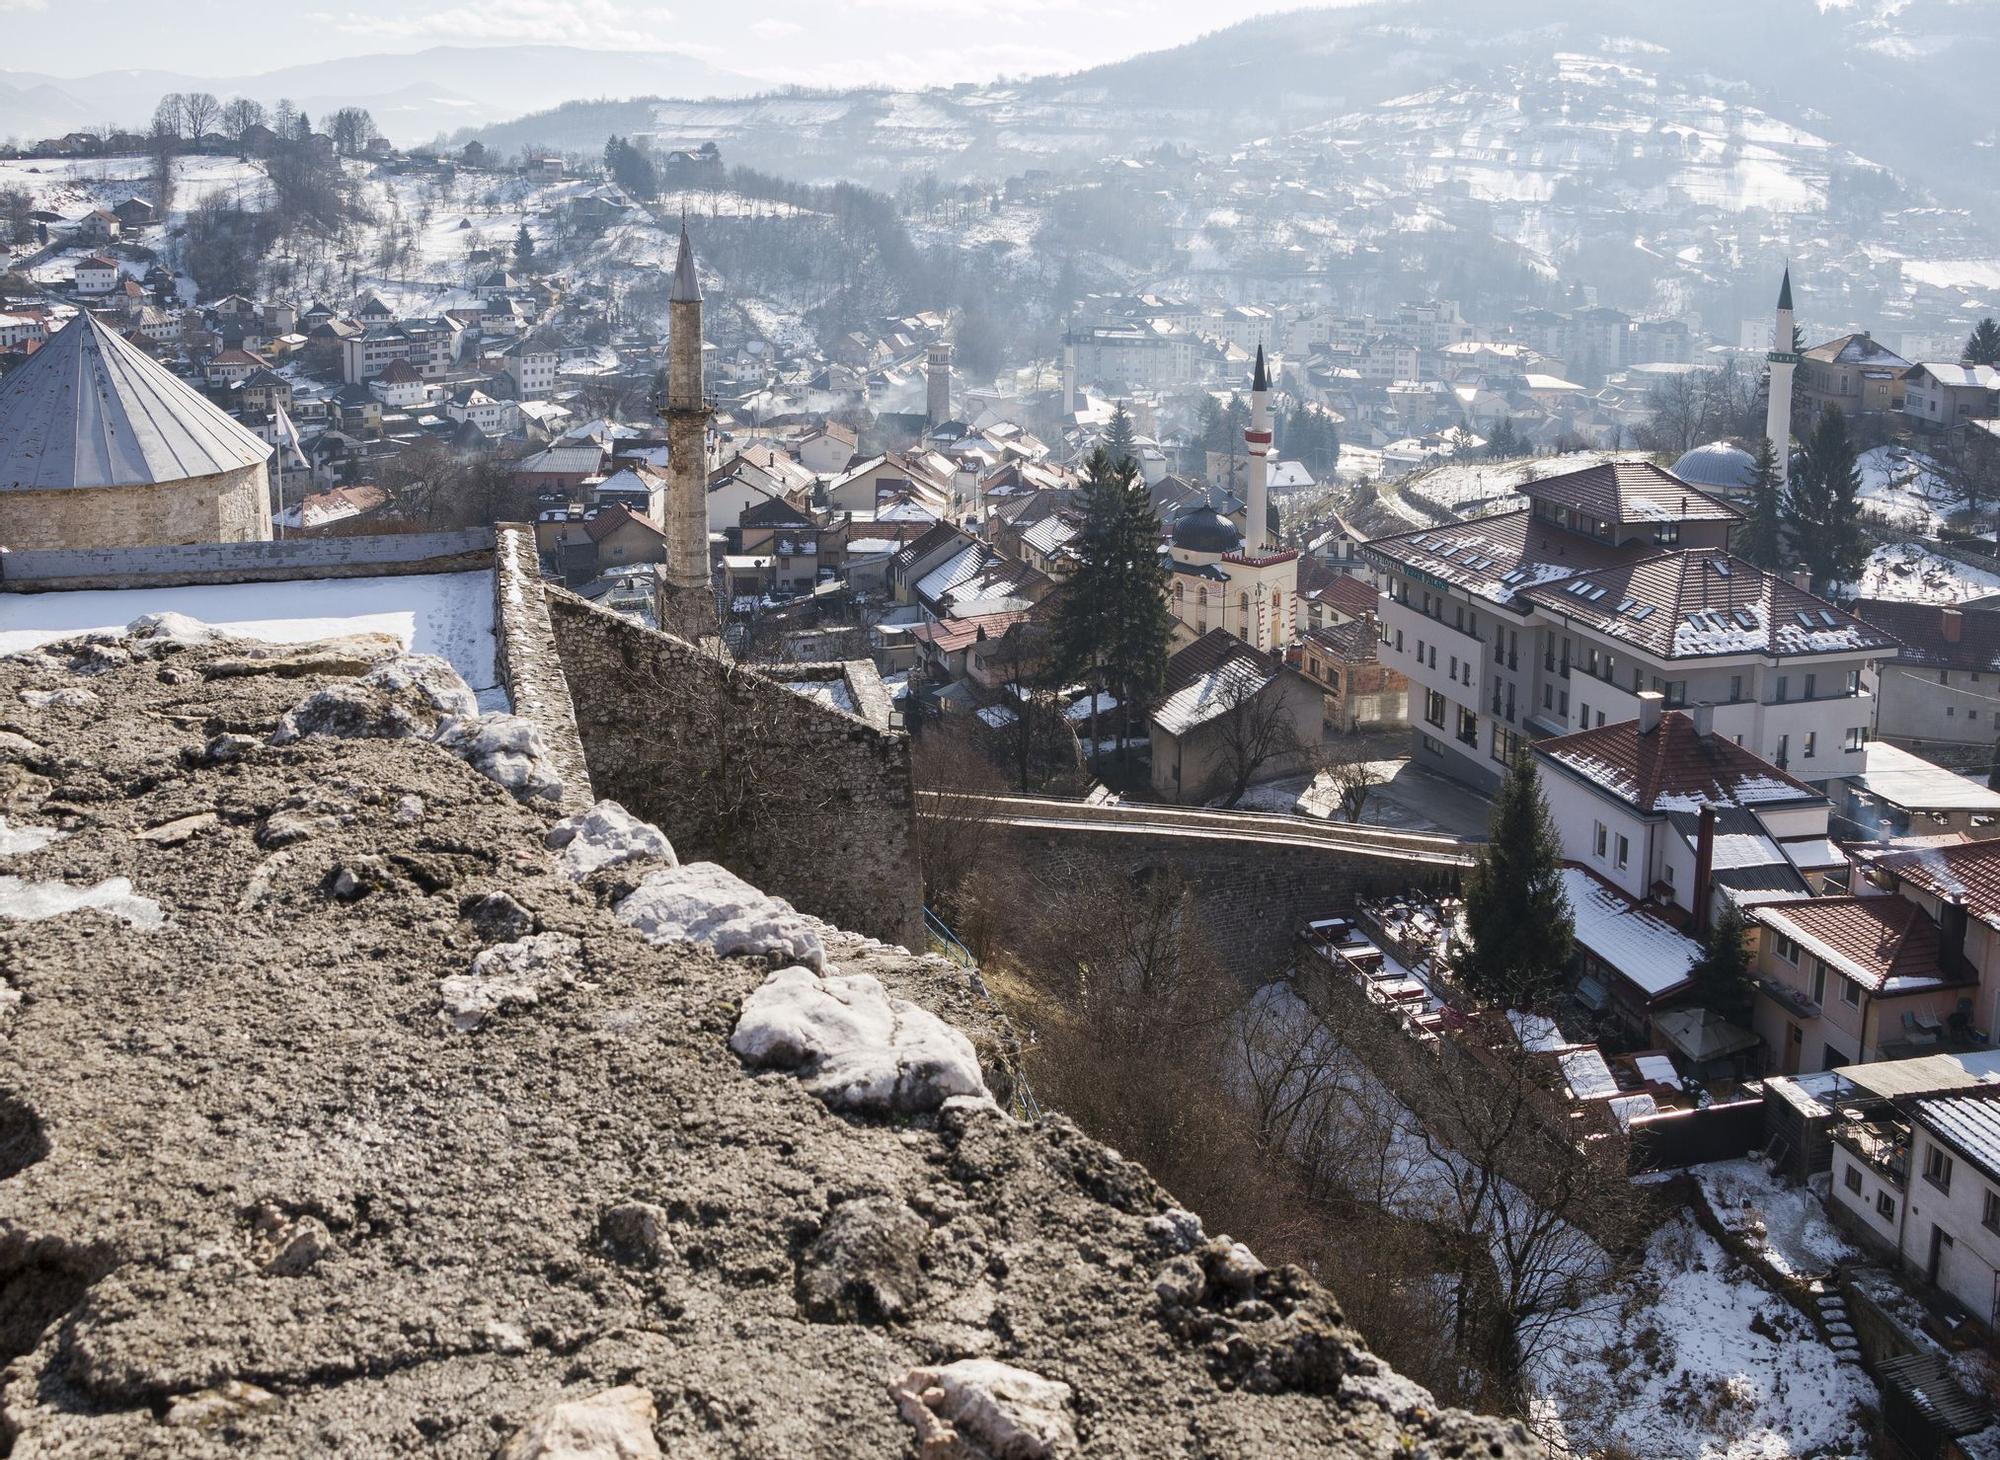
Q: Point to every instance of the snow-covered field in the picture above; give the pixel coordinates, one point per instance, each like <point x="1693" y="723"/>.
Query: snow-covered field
<point x="1903" y="488"/>
<point x="72" y="186"/>
<point x="1699" y="1361"/>
<point x="1909" y="570"/>
<point x="1461" y="485"/>
<point x="447" y="614"/>
<point x="1787" y="1222"/>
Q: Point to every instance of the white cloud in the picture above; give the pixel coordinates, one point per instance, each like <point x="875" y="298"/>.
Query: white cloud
<point x="600" y="23"/>
<point x="772" y="30"/>
<point x="22" y="5"/>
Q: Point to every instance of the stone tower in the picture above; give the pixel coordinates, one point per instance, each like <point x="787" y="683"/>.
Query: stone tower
<point x="686" y="599"/>
<point x="1257" y="440"/>
<point x="1778" y="412"/>
<point x="937" y="384"/>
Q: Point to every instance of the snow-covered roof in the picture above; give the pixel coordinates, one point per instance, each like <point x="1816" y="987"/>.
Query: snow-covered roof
<point x="1213" y="694"/>
<point x="1915" y="784"/>
<point x="1649" y="953"/>
<point x="1588" y="1076"/>
<point x="90" y="410"/>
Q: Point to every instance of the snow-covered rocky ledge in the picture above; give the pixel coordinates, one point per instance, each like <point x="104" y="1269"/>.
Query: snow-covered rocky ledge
<point x="420" y="1119"/>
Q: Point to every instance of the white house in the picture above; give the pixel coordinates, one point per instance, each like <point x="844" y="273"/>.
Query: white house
<point x="494" y="417"/>
<point x="96" y="275"/>
<point x="1941" y="396"/>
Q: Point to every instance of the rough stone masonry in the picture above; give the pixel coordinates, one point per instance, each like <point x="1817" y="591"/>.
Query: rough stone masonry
<point x="354" y="1100"/>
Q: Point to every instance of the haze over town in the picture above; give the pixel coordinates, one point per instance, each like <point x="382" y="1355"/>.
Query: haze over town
<point x="912" y="723"/>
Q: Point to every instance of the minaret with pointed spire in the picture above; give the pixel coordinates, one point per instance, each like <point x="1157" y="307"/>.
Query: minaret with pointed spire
<point x="1257" y="440"/>
<point x="687" y="600"/>
<point x="1778" y="411"/>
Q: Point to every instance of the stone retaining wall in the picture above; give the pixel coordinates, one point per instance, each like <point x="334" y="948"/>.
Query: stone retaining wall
<point x="529" y="664"/>
<point x="59" y="570"/>
<point x="800" y="799"/>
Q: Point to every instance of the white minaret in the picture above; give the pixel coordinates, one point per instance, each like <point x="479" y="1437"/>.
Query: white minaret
<point x="1778" y="411"/>
<point x="1257" y="440"/>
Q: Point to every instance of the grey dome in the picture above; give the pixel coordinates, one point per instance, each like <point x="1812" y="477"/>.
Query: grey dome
<point x="1717" y="464"/>
<point x="1202" y="529"/>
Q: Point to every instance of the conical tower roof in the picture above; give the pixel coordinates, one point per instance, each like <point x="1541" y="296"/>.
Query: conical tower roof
<point x="1259" y="381"/>
<point x="1785" y="293"/>
<point x="687" y="287"/>
<point x="90" y="410"/>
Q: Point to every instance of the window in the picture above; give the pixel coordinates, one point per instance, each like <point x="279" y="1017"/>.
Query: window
<point x="1989" y="1216"/>
<point x="1583" y="715"/>
<point x="1785" y="948"/>
<point x="1819" y="981"/>
<point x="1850" y="1177"/>
<point x="1810" y="679"/>
<point x="1850" y="993"/>
<point x="1468" y="727"/>
<point x="1854" y="681"/>
<point x="1600" y="717"/>
<point x="1784" y="751"/>
<point x="1624" y="853"/>
<point x="1548" y="697"/>
<point x="1856" y="738"/>
<point x="1885" y="1206"/>
<point x="1667" y="873"/>
<point x="1735" y="688"/>
<point x="1812" y="744"/>
<point x="1399" y="641"/>
<point x="1937" y="1167"/>
<point x="1783" y="682"/>
<point x="1434" y="708"/>
<point x="1598" y="840"/>
<point x="1453" y="672"/>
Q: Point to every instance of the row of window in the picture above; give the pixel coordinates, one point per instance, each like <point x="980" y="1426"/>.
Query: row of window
<point x="1605" y="846"/>
<point x="1885" y="1204"/>
<point x="1790" y="952"/>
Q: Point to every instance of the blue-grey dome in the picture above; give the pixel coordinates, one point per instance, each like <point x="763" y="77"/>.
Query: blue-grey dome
<point x="1718" y="464"/>
<point x="1202" y="529"/>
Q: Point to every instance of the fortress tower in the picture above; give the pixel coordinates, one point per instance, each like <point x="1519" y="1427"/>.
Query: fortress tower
<point x="686" y="599"/>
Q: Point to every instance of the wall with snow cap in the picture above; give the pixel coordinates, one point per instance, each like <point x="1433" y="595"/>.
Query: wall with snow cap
<point x="801" y="799"/>
<point x="30" y="569"/>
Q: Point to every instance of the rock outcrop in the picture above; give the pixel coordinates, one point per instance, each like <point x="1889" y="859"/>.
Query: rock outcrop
<point x="345" y="1111"/>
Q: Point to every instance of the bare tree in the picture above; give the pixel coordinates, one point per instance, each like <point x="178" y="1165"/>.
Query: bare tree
<point x="240" y="114"/>
<point x="1353" y="781"/>
<point x="170" y="115"/>
<point x="1256" y="726"/>
<point x="199" y="110"/>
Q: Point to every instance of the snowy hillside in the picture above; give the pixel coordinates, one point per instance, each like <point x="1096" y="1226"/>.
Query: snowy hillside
<point x="1909" y="570"/>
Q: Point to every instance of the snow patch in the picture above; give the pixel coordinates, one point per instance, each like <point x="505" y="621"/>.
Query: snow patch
<point x="507" y="749"/>
<point x="29" y="902"/>
<point x="853" y="1045"/>
<point x="17" y="840"/>
<point x="706" y="904"/>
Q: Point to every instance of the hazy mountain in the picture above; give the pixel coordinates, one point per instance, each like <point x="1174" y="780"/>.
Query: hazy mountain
<point x="412" y="96"/>
<point x="1906" y="83"/>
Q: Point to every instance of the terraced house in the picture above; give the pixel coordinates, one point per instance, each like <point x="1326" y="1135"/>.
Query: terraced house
<point x="1616" y="580"/>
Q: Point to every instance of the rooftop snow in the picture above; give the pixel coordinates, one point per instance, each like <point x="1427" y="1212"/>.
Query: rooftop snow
<point x="1648" y="953"/>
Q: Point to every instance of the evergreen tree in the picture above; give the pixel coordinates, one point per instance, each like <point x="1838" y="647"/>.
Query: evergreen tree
<point x="1822" y="503"/>
<point x="1214" y="429"/>
<point x="1722" y="974"/>
<point x="1519" y="933"/>
<point x="1504" y="441"/>
<point x="1984" y="346"/>
<point x="1764" y="535"/>
<point x="1119" y="441"/>
<point x="1112" y="625"/>
<point x="524" y="246"/>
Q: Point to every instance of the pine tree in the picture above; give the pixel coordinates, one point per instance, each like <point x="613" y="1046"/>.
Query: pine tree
<point x="1519" y="933"/>
<point x="1112" y="625"/>
<point x="524" y="246"/>
<point x="1822" y="503"/>
<point x="1119" y="440"/>
<point x="1722" y="974"/>
<point x="1764" y="534"/>
<point x="1984" y="346"/>
<point x="1503" y="442"/>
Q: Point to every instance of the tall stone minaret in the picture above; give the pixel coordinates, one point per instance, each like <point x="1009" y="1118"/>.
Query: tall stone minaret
<point x="937" y="384"/>
<point x="686" y="600"/>
<point x="1778" y="412"/>
<point x="1257" y="440"/>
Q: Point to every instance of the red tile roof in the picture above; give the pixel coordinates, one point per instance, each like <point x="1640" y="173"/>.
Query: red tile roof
<point x="1871" y="939"/>
<point x="1969" y="872"/>
<point x="1630" y="491"/>
<point x="1704" y="602"/>
<point x="1922" y="629"/>
<point x="1671" y="768"/>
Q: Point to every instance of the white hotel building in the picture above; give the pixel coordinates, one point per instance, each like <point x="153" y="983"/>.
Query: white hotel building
<point x="1616" y="579"/>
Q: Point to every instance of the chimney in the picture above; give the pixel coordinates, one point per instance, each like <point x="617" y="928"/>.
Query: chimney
<point x="1952" y="624"/>
<point x="1704" y="718"/>
<point x="1650" y="702"/>
<point x="1704" y="864"/>
<point x="1801" y="577"/>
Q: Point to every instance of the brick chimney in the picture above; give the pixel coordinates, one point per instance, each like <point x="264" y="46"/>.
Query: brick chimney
<point x="1703" y="714"/>
<point x="1704" y="865"/>
<point x="1801" y="577"/>
<point x="1951" y="623"/>
<point x="1650" y="702"/>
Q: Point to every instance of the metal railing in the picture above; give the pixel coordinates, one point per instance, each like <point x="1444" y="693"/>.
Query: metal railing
<point x="1025" y="1104"/>
<point x="1271" y="827"/>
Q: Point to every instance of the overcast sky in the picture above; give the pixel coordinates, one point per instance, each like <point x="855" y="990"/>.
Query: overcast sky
<point x="812" y="41"/>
